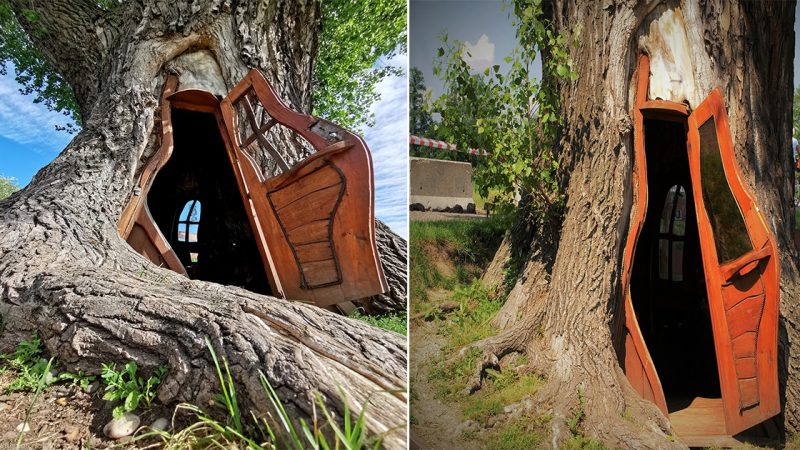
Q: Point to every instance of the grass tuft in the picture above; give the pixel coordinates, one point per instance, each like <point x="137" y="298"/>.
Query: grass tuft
<point x="469" y="244"/>
<point x="392" y="322"/>
<point x="522" y="432"/>
<point x="269" y="432"/>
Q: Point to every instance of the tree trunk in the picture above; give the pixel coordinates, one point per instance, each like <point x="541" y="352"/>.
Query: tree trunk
<point x="66" y="274"/>
<point x="394" y="260"/>
<point x="567" y="327"/>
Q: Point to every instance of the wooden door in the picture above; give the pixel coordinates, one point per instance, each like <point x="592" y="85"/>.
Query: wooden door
<point x="741" y="268"/>
<point x="315" y="219"/>
<point x="638" y="364"/>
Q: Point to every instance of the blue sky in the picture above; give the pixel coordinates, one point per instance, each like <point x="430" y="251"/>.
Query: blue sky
<point x="29" y="141"/>
<point x="483" y="27"/>
<point x="28" y="136"/>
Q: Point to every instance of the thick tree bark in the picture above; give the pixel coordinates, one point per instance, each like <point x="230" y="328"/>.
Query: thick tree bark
<point x="65" y="272"/>
<point x="394" y="260"/>
<point x="566" y="327"/>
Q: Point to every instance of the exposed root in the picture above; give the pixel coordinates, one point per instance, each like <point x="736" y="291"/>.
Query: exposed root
<point x="514" y="340"/>
<point x="613" y="413"/>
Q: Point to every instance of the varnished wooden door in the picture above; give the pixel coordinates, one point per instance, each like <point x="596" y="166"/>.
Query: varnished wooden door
<point x="315" y="219"/>
<point x="741" y="268"/>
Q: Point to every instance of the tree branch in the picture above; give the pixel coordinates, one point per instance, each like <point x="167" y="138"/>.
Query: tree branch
<point x="74" y="37"/>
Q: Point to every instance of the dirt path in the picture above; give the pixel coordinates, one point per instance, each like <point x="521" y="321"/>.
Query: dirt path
<point x="433" y="421"/>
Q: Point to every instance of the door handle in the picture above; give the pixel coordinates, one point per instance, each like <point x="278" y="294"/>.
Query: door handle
<point x="744" y="264"/>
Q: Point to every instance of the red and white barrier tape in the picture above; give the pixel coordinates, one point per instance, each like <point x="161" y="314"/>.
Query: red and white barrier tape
<point x="441" y="145"/>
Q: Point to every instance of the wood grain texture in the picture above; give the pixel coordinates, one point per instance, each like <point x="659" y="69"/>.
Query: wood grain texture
<point x="743" y="297"/>
<point x="306" y="204"/>
<point x="66" y="274"/>
<point x="148" y="239"/>
<point x="638" y="363"/>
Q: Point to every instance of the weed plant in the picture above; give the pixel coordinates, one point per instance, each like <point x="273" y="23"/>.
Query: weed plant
<point x="270" y="432"/>
<point x="392" y="322"/>
<point x="125" y="386"/>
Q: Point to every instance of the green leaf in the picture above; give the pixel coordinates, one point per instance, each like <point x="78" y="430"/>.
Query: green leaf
<point x="132" y="400"/>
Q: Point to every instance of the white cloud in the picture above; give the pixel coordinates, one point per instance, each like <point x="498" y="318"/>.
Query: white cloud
<point x="388" y="142"/>
<point x="481" y="54"/>
<point x="26" y="123"/>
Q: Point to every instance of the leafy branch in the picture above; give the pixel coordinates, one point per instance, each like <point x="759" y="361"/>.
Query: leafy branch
<point x="513" y="115"/>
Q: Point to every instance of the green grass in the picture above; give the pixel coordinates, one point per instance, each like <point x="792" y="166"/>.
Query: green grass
<point x="450" y="377"/>
<point x="270" y="432"/>
<point x="392" y="322"/>
<point x="521" y="432"/>
<point x="469" y="323"/>
<point x="494" y="197"/>
<point x="500" y="390"/>
<point x="469" y="244"/>
<point x="472" y="321"/>
<point x="28" y="365"/>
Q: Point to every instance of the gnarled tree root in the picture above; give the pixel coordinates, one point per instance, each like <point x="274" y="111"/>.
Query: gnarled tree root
<point x="89" y="317"/>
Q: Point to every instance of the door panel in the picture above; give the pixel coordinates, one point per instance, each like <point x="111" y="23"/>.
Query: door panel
<point x="136" y="225"/>
<point x="741" y="267"/>
<point x="639" y="367"/>
<point x="316" y="216"/>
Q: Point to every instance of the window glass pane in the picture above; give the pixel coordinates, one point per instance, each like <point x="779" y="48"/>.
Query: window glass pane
<point x="679" y="220"/>
<point x="195" y="214"/>
<point x="667" y="211"/>
<point x="185" y="212"/>
<point x="727" y="223"/>
<point x="677" y="261"/>
<point x="193" y="232"/>
<point x="663" y="259"/>
<point x="181" y="232"/>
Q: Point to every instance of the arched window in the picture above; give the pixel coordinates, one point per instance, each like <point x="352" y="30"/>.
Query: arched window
<point x="189" y="222"/>
<point x="672" y="232"/>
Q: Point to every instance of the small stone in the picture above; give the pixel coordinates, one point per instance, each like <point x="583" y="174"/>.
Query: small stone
<point x="3" y="406"/>
<point x="50" y="376"/>
<point x="528" y="404"/>
<point x="72" y="433"/>
<point x="92" y="387"/>
<point x="469" y="425"/>
<point x="24" y="427"/>
<point x="62" y="401"/>
<point x="160" y="424"/>
<point x="470" y="208"/>
<point x="124" y="426"/>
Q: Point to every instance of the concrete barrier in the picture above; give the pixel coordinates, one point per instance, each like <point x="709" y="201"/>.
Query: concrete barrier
<point x="440" y="184"/>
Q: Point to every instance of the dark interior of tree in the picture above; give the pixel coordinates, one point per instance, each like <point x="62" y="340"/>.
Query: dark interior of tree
<point x="668" y="284"/>
<point x="197" y="206"/>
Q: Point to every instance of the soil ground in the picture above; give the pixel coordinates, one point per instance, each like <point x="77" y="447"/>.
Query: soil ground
<point x="64" y="417"/>
<point x="436" y="424"/>
<point x="450" y="309"/>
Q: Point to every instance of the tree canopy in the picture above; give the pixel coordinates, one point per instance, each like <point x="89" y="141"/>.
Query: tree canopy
<point x="355" y="38"/>
<point x="419" y="118"/>
<point x="356" y="42"/>
<point x="512" y="115"/>
<point x="8" y="186"/>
